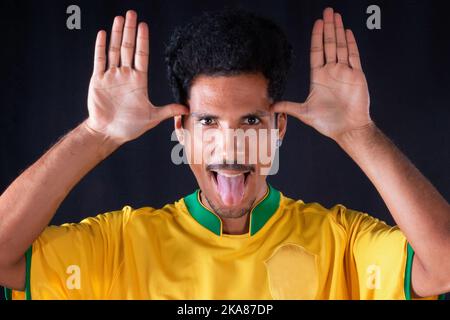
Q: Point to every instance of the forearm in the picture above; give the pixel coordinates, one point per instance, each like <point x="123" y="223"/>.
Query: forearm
<point x="417" y="207"/>
<point x="29" y="203"/>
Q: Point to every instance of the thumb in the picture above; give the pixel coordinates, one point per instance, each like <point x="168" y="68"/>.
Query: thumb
<point x="294" y="109"/>
<point x="169" y="111"/>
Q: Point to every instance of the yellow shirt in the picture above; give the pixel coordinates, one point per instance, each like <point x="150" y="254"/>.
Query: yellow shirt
<point x="293" y="250"/>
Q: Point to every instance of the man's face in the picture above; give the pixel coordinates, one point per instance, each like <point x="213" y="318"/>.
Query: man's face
<point x="229" y="139"/>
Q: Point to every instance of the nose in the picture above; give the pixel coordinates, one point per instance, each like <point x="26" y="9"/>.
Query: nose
<point x="233" y="145"/>
<point x="224" y="145"/>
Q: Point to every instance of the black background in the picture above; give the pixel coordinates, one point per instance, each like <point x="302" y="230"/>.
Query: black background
<point x="45" y="72"/>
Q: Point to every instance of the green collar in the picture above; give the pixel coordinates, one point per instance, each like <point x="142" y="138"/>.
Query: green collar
<point x="259" y="215"/>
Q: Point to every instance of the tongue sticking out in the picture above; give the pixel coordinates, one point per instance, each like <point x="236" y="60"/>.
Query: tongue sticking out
<point x="231" y="189"/>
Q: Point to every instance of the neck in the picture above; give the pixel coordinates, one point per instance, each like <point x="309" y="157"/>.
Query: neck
<point x="237" y="226"/>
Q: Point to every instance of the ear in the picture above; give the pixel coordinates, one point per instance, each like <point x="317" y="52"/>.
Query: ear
<point x="281" y="120"/>
<point x="179" y="130"/>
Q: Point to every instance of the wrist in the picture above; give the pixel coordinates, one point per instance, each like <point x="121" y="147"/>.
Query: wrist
<point x="363" y="134"/>
<point x="105" y="144"/>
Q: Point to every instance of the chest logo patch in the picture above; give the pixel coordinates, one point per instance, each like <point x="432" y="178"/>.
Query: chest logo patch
<point x="292" y="272"/>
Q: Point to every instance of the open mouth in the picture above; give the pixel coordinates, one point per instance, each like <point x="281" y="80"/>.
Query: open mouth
<point x="230" y="185"/>
<point x="214" y="174"/>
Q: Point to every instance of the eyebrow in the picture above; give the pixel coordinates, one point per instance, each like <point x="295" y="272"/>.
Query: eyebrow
<point x="203" y="115"/>
<point x="258" y="113"/>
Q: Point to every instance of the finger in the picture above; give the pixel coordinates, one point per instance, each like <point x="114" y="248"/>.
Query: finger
<point x="341" y="42"/>
<point x="115" y="41"/>
<point x="142" y="48"/>
<point x="170" y="111"/>
<point x="129" y="39"/>
<point x="316" y="55"/>
<point x="353" y="52"/>
<point x="100" y="53"/>
<point x="329" y="36"/>
<point x="294" y="109"/>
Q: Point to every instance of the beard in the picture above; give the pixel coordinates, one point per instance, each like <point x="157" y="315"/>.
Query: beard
<point x="225" y="213"/>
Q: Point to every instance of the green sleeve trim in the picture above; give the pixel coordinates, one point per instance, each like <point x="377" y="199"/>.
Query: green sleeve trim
<point x="28" y="256"/>
<point x="8" y="292"/>
<point x="408" y="274"/>
<point x="408" y="271"/>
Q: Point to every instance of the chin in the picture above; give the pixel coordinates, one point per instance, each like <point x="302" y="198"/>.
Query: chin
<point x="226" y="209"/>
<point x="235" y="211"/>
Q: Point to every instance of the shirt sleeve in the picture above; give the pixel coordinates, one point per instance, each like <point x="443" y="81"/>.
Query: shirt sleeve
<point x="378" y="258"/>
<point x="76" y="260"/>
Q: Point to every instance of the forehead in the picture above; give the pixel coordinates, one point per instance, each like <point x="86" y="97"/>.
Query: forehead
<point x="241" y="93"/>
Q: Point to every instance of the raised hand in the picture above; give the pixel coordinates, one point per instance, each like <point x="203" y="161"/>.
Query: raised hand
<point x="118" y="102"/>
<point x="338" y="101"/>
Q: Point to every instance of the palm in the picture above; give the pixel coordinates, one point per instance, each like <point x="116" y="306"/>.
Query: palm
<point x="118" y="98"/>
<point x="118" y="103"/>
<point x="338" y="100"/>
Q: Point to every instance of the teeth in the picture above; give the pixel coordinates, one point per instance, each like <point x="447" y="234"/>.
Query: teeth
<point x="228" y="175"/>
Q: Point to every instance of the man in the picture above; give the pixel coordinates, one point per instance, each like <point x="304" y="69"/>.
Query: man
<point x="237" y="237"/>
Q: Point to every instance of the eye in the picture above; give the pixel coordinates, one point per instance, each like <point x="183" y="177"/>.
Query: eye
<point x="207" y="121"/>
<point x="252" y="120"/>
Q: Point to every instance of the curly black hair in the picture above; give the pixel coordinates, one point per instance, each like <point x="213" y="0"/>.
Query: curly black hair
<point x="227" y="42"/>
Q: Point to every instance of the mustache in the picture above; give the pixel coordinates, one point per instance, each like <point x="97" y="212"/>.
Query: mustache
<point x="230" y="166"/>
